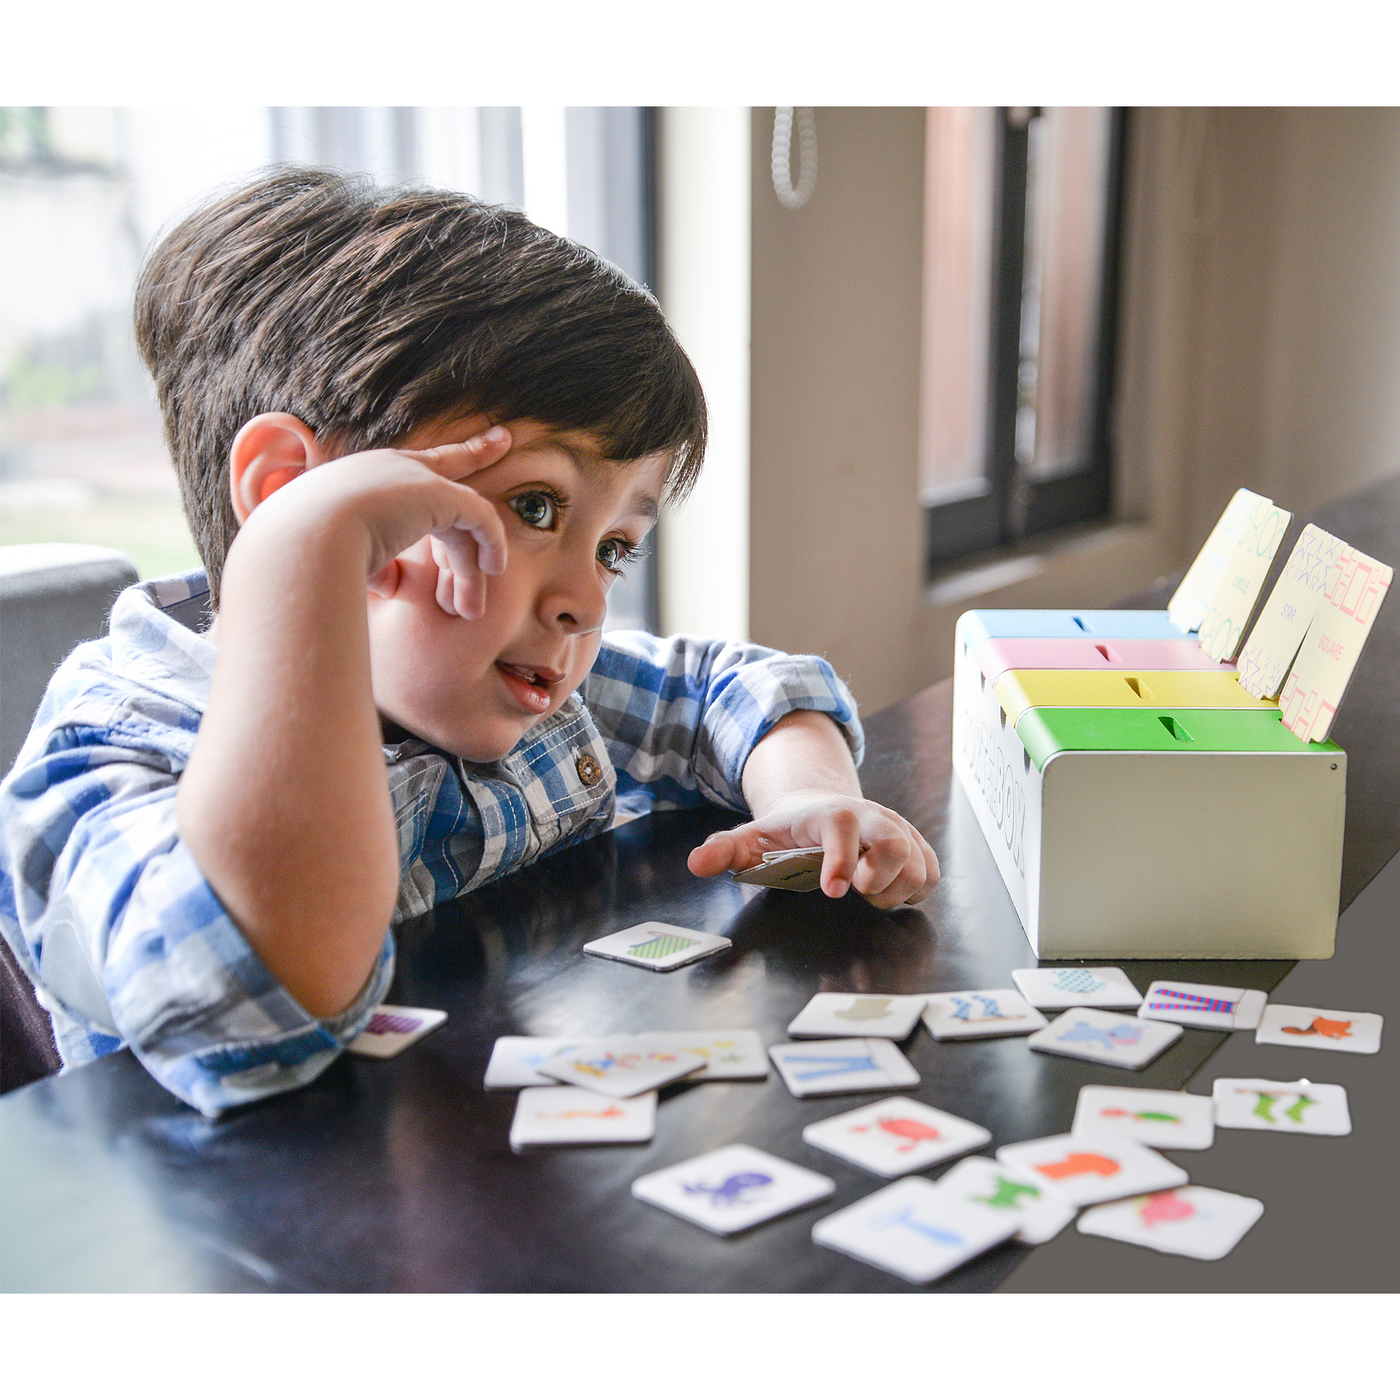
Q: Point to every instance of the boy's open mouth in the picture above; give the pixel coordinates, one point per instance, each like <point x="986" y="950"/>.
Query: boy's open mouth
<point x="528" y="685"/>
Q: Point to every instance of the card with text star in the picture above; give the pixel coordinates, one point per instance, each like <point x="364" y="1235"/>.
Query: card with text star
<point x="1274" y="1106"/>
<point x="514" y="1060"/>
<point x="1353" y="1032"/>
<point x="1083" y="1170"/>
<point x="814" y="1067"/>
<point x="969" y="1015"/>
<point x="895" y="1136"/>
<point x="728" y="1054"/>
<point x="657" y="947"/>
<point x="1054" y="987"/>
<point x="1153" y="1117"/>
<point x="1038" y="1214"/>
<point x="913" y="1229"/>
<point x="856" y="1014"/>
<point x="732" y="1188"/>
<point x="393" y="1029"/>
<point x="1203" y="1004"/>
<point x="1105" y="1036"/>
<point x="620" y="1066"/>
<point x="1196" y="1221"/>
<point x="563" y="1114"/>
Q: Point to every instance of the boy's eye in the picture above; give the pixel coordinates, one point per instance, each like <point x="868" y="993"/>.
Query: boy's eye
<point x="614" y="553"/>
<point x="537" y="510"/>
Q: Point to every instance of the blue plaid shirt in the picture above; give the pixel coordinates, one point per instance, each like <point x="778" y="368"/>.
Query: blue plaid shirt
<point x="127" y="944"/>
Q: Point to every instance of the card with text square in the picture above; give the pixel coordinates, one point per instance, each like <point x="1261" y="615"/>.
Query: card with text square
<point x="392" y="1029"/>
<point x="562" y="1115"/>
<point x="657" y="947"/>
<point x="620" y="1066"/>
<point x="1247" y="559"/>
<point x="732" y="1188"/>
<point x="515" y="1059"/>
<point x="1105" y="1036"/>
<point x="1083" y="1170"/>
<point x="728" y="1054"/>
<point x="1353" y="1032"/>
<point x="856" y="1014"/>
<point x="895" y="1136"/>
<point x="1153" y="1117"/>
<point x="972" y="1015"/>
<point x="1274" y="1106"/>
<point x="1202" y="1004"/>
<point x="813" y="1067"/>
<point x="1038" y="1214"/>
<point x="1050" y="988"/>
<point x="1196" y="1221"/>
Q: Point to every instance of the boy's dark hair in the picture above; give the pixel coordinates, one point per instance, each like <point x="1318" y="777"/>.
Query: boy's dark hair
<point x="368" y="312"/>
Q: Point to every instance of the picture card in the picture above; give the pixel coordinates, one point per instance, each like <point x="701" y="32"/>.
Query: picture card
<point x="1038" y="1214"/>
<point x="1202" y="1004"/>
<point x="857" y="1014"/>
<point x="1230" y="603"/>
<point x="813" y="1067"/>
<point x="1106" y="1036"/>
<point x="1084" y="1169"/>
<point x="1274" y="639"/>
<point x="733" y="1188"/>
<point x="1052" y="987"/>
<point x="1273" y="1106"/>
<point x="620" y="1066"/>
<point x="561" y="1115"/>
<point x="659" y="947"/>
<point x="969" y="1015"/>
<point x="1153" y="1117"/>
<point x="392" y="1029"/>
<point x="728" y="1054"/>
<point x="1197" y="1221"/>
<point x="913" y="1230"/>
<point x="515" y="1059"/>
<point x="1356" y="588"/>
<point x="1192" y="599"/>
<point x="1352" y="1032"/>
<point x="895" y="1136"/>
<point x="786" y="870"/>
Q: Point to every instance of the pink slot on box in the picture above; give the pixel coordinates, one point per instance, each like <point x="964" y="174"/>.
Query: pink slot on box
<point x="1000" y="654"/>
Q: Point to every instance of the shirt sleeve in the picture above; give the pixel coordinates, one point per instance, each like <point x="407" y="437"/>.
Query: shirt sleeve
<point x="681" y="715"/>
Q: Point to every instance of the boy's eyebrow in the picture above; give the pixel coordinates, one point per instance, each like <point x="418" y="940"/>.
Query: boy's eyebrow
<point x="646" y="505"/>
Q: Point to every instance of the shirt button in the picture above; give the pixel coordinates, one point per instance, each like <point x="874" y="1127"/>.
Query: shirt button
<point x="589" y="769"/>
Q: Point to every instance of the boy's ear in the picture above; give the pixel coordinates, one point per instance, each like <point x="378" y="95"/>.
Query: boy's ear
<point x="268" y="452"/>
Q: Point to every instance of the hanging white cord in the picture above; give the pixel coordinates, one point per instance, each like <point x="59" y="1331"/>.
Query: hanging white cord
<point x="791" y="197"/>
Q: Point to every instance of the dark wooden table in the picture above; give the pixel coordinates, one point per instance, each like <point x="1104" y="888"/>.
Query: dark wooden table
<point x="398" y="1174"/>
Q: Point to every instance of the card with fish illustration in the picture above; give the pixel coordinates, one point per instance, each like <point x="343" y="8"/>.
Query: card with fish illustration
<point x="799" y="870"/>
<point x="392" y="1029"/>
<point x="895" y="1136"/>
<point x="813" y="1067"/>
<point x="657" y="947"/>
<point x="1197" y="1221"/>
<point x="971" y="1015"/>
<point x="1274" y="1106"/>
<point x="1105" y="1036"/>
<point x="914" y="1230"/>
<point x="1054" y="987"/>
<point x="730" y="1054"/>
<point x="1084" y="1169"/>
<point x="1202" y="1004"/>
<point x="563" y="1114"/>
<point x="856" y="1014"/>
<point x="1352" y="1032"/>
<point x="1153" y="1117"/>
<point x="514" y="1059"/>
<point x="620" y="1066"/>
<point x="1038" y="1214"/>
<point x="733" y="1188"/>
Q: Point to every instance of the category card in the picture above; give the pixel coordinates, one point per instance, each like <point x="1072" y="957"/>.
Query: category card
<point x="729" y="1054"/>
<point x="1354" y="1032"/>
<point x="1197" y="1221"/>
<point x="514" y="1059"/>
<point x="799" y="870"/>
<point x="1052" y="987"/>
<point x="895" y="1136"/>
<point x="1105" y="1036"/>
<point x="1356" y="588"/>
<point x="393" y="1029"/>
<point x="658" y="947"/>
<point x="1232" y="600"/>
<point x="814" y="1067"/>
<point x="620" y="1066"/>
<point x="846" y="1013"/>
<point x="995" y="1186"/>
<point x="914" y="1230"/>
<point x="1153" y="1117"/>
<point x="1274" y="639"/>
<point x="1083" y="1170"/>
<point x="566" y="1115"/>
<point x="970" y="1015"/>
<point x="1272" y="1106"/>
<point x="1201" y="1004"/>
<point x="732" y="1188"/>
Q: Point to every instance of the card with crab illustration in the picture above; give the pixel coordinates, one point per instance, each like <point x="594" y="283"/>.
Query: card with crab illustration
<point x="895" y="1136"/>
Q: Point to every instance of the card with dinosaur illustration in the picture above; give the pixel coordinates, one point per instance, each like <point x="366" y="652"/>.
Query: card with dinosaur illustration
<point x="1197" y="1221"/>
<point x="1105" y="1036"/>
<point x="563" y="1114"/>
<point x="1352" y="1032"/>
<point x="728" y="1054"/>
<point x="1274" y="1106"/>
<point x="856" y="1014"/>
<point x="973" y="1015"/>
<point x="1153" y="1117"/>
<point x="813" y="1067"/>
<point x="895" y="1136"/>
<point x="1083" y="1170"/>
<point x="1052" y="987"/>
<point x="1038" y="1214"/>
<point x="620" y="1066"/>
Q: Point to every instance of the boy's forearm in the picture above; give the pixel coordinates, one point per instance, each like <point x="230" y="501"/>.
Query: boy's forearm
<point x="805" y="751"/>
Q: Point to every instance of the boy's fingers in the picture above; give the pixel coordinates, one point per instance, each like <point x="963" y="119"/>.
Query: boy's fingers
<point x="840" y="834"/>
<point x="458" y="460"/>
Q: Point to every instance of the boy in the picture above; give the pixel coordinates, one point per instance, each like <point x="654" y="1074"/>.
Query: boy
<point x="417" y="438"/>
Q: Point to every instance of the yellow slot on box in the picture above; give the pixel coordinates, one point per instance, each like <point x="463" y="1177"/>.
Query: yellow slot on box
<point x="1019" y="691"/>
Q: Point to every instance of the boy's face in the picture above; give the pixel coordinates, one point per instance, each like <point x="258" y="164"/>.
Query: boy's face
<point x="571" y="520"/>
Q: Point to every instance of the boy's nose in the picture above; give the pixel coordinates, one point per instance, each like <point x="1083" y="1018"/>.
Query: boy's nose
<point x="576" y="600"/>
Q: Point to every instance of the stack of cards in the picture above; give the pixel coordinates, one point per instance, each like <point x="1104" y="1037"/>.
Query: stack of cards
<point x="971" y="1015"/>
<point x="1055" y="987"/>
<point x="1105" y="1036"/>
<point x="895" y="1136"/>
<point x="799" y="870"/>
<point x="1039" y="1215"/>
<point x="815" y="1067"/>
<point x="1084" y="1170"/>
<point x="621" y="1066"/>
<point x="728" y="1054"/>
<point x="857" y="1014"/>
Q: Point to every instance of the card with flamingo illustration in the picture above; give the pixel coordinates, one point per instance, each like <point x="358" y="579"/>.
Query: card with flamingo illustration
<point x="1197" y="1221"/>
<point x="1308" y="1028"/>
<point x="972" y="1015"/>
<point x="813" y="1067"/>
<point x="1009" y="1193"/>
<point x="1153" y="1117"/>
<point x="895" y="1136"/>
<point x="1105" y="1036"/>
<point x="1084" y="1170"/>
<point x="564" y="1114"/>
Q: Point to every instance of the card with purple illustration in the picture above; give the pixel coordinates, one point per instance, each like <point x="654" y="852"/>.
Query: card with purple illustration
<point x="913" y="1229"/>
<point x="1153" y="1117"/>
<point x="1203" y="1004"/>
<point x="563" y="1114"/>
<point x="657" y="947"/>
<point x="813" y="1067"/>
<point x="799" y="870"/>
<point x="1106" y="1036"/>
<point x="895" y="1136"/>
<point x="514" y="1059"/>
<point x="620" y="1066"/>
<point x="1054" y="987"/>
<point x="729" y="1054"/>
<point x="856" y="1014"/>
<point x="1083" y="1170"/>
<point x="972" y="1015"/>
<point x="392" y="1029"/>
<point x="1038" y="1214"/>
<point x="1197" y="1221"/>
<point x="733" y="1188"/>
<point x="1352" y="1032"/>
<point x="1275" y="1106"/>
